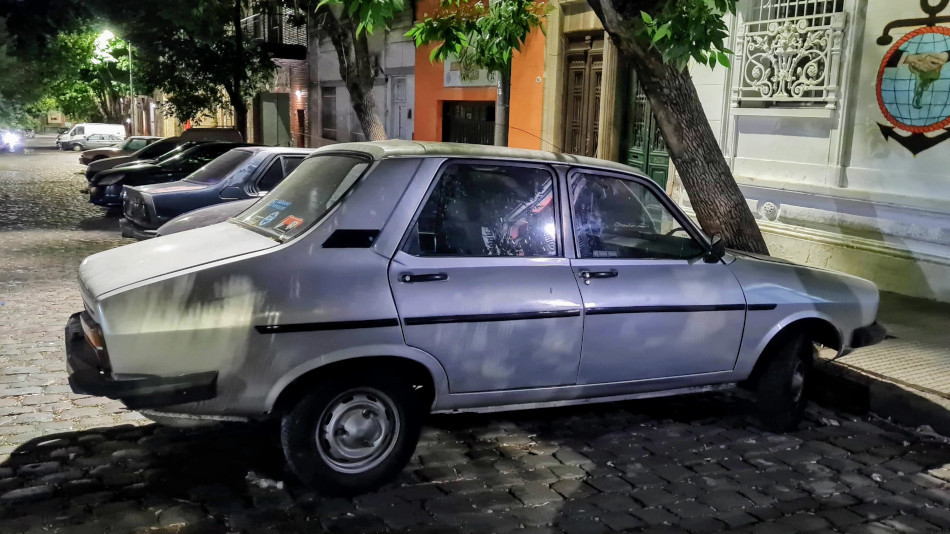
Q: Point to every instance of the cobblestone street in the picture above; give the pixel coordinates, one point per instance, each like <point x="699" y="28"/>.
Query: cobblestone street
<point x="76" y="464"/>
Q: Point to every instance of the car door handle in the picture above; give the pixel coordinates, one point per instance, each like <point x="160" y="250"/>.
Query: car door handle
<point x="599" y="274"/>
<point x="431" y="277"/>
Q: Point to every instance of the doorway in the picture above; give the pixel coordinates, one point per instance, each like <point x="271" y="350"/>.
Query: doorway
<point x="585" y="75"/>
<point x="643" y="146"/>
<point x="468" y="122"/>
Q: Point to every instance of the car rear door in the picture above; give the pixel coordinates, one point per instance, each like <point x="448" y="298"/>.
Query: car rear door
<point x="481" y="281"/>
<point x="653" y="308"/>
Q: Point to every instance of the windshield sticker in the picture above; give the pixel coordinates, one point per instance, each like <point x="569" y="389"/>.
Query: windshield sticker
<point x="269" y="218"/>
<point x="279" y="205"/>
<point x="289" y="223"/>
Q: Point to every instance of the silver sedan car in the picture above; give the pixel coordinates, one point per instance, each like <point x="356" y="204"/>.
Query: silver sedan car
<point x="383" y="281"/>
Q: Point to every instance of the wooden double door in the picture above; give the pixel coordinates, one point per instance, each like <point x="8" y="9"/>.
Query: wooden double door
<point x="585" y="77"/>
<point x="642" y="144"/>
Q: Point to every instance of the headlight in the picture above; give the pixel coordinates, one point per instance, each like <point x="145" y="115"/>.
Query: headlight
<point x="11" y="139"/>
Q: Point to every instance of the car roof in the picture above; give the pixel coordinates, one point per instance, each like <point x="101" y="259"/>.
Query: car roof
<point x="397" y="148"/>
<point x="277" y="149"/>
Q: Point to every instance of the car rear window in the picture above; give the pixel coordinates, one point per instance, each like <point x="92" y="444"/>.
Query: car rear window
<point x="219" y="168"/>
<point x="305" y="196"/>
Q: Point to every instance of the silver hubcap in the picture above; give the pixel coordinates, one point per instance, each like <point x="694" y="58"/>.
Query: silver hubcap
<point x="357" y="430"/>
<point x="798" y="382"/>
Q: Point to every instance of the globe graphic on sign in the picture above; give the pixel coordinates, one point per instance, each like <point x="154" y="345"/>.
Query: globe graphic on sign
<point x="913" y="87"/>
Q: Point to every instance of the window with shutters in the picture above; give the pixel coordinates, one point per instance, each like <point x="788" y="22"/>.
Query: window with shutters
<point x="788" y="53"/>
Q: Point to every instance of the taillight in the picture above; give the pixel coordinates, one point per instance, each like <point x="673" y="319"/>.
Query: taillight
<point x="96" y="340"/>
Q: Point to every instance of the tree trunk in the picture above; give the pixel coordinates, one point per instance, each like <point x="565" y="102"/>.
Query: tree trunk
<point x="713" y="192"/>
<point x="501" y="107"/>
<point x="236" y="94"/>
<point x="357" y="72"/>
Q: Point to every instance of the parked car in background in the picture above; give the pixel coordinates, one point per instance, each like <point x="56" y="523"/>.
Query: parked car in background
<point x="214" y="214"/>
<point x="96" y="141"/>
<point x="61" y="136"/>
<point x="242" y="173"/>
<point x="80" y="132"/>
<point x="105" y="189"/>
<point x="29" y="133"/>
<point x="129" y="146"/>
<point x="149" y="153"/>
<point x="11" y="140"/>
<point x="212" y="134"/>
<point x="383" y="281"/>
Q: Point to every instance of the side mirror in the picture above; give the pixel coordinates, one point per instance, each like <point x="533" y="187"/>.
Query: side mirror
<point x="717" y="250"/>
<point x="231" y="193"/>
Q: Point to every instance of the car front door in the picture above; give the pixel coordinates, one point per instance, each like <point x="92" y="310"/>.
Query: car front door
<point x="481" y="282"/>
<point x="653" y="307"/>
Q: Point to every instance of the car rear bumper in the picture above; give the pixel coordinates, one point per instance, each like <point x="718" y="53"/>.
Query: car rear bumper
<point x="136" y="391"/>
<point x="871" y="334"/>
<point x="130" y="229"/>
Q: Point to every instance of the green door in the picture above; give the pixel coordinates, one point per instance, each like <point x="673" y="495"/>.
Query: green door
<point x="643" y="144"/>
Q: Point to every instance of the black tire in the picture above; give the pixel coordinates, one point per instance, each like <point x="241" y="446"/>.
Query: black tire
<point x="341" y="401"/>
<point x="781" y="391"/>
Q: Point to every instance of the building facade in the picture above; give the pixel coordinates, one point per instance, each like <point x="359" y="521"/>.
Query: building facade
<point x="394" y="85"/>
<point x="834" y="118"/>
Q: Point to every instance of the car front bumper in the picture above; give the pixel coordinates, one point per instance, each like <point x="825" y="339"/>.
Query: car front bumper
<point x="130" y="229"/>
<point x="865" y="336"/>
<point x="136" y="391"/>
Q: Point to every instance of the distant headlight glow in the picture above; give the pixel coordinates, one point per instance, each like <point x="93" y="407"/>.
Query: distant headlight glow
<point x="11" y="139"/>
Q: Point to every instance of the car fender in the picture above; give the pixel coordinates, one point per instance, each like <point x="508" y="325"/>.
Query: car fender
<point x="750" y="354"/>
<point x="439" y="378"/>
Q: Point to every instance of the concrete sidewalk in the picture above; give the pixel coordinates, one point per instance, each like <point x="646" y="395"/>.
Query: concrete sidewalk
<point x="907" y="376"/>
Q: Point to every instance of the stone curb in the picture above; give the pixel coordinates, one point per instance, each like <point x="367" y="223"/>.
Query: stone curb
<point x="848" y="389"/>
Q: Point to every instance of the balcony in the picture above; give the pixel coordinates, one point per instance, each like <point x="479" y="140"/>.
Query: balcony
<point x="279" y="34"/>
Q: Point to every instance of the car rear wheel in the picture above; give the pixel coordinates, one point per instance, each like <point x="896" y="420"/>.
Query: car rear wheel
<point x="783" y="386"/>
<point x="352" y="433"/>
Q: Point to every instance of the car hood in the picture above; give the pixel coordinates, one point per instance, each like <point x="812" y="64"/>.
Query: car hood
<point x="104" y="151"/>
<point x="171" y="187"/>
<point x="112" y="176"/>
<point x="114" y="269"/>
<point x="108" y="163"/>
<point x="206" y="216"/>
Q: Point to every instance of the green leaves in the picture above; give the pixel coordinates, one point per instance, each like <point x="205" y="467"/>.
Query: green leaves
<point x="681" y="30"/>
<point x="479" y="37"/>
<point x="368" y="14"/>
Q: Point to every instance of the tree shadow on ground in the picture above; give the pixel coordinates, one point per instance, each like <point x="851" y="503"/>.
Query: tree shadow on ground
<point x="109" y="221"/>
<point x="694" y="464"/>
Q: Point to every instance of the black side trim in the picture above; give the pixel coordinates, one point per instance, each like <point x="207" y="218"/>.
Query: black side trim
<point x="318" y="327"/>
<point x="665" y="309"/>
<point x="351" y="239"/>
<point x="490" y="317"/>
<point x="762" y="307"/>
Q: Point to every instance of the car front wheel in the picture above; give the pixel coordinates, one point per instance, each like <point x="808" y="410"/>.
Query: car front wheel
<point x="782" y="387"/>
<point x="352" y="433"/>
<point x="77" y="148"/>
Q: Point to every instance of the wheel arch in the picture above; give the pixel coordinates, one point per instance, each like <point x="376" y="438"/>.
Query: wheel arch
<point x="419" y="367"/>
<point x="816" y="329"/>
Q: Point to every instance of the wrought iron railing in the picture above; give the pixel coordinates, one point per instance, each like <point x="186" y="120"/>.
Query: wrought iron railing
<point x="790" y="60"/>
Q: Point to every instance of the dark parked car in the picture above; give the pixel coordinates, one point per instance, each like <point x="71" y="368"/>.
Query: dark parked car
<point x="129" y="146"/>
<point x="242" y="173"/>
<point x="106" y="187"/>
<point x="150" y="152"/>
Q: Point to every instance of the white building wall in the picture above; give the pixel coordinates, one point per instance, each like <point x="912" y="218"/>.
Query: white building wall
<point x="828" y="188"/>
<point x="394" y="58"/>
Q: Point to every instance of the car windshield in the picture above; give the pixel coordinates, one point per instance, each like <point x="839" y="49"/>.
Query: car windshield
<point x="155" y="149"/>
<point x="305" y="196"/>
<point x="220" y="168"/>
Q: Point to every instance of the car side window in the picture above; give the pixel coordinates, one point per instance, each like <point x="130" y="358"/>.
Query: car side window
<point x="271" y="177"/>
<point x="94" y="137"/>
<point x="136" y="144"/>
<point x="291" y="163"/>
<point x="616" y="218"/>
<point x="80" y="131"/>
<point x="487" y="210"/>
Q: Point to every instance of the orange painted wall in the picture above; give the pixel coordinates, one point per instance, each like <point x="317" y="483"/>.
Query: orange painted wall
<point x="526" y="91"/>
